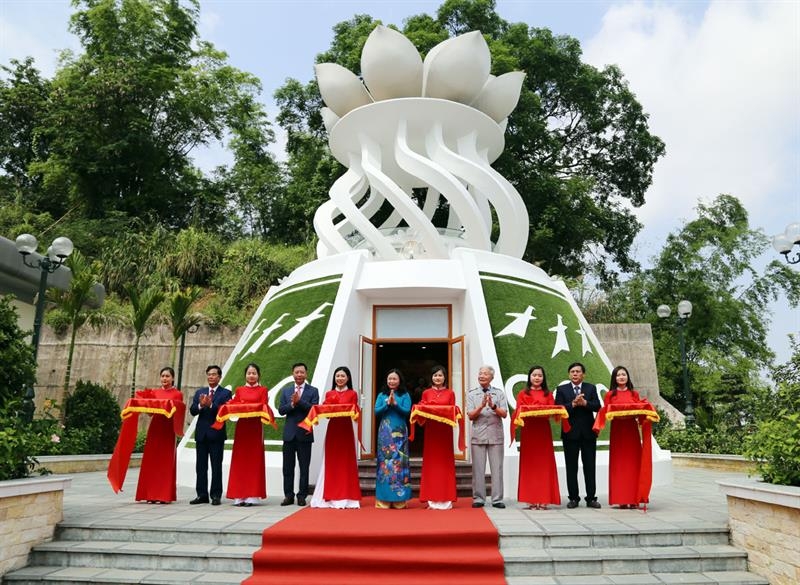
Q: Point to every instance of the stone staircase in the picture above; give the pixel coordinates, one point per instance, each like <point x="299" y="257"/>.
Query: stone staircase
<point x="108" y="554"/>
<point x="109" y="539"/>
<point x="111" y="554"/>
<point x="641" y="557"/>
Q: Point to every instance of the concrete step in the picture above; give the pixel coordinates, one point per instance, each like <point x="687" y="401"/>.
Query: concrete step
<point x="624" y="560"/>
<point x="151" y="556"/>
<point x="706" y="578"/>
<point x="84" y="575"/>
<point x="558" y="551"/>
<point x="194" y="535"/>
<point x="562" y="539"/>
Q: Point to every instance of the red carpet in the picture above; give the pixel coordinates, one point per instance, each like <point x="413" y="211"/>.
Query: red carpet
<point x="368" y="546"/>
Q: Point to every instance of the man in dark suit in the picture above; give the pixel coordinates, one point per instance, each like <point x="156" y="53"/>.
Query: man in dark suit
<point x="581" y="401"/>
<point x="296" y="400"/>
<point x="209" y="443"/>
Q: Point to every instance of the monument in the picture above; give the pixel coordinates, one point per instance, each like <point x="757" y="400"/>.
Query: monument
<point x="419" y="254"/>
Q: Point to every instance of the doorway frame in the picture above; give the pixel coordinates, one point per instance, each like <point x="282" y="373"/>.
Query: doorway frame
<point x="368" y="348"/>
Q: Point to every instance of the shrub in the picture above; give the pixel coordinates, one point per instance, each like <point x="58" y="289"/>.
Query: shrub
<point x="16" y="442"/>
<point x="91" y="420"/>
<point x="251" y="266"/>
<point x="775" y="446"/>
<point x="716" y="440"/>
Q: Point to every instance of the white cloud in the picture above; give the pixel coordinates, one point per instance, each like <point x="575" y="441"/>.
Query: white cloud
<point x="723" y="92"/>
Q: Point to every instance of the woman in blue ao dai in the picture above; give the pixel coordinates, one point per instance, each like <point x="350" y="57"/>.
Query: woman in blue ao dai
<point x="392" y="407"/>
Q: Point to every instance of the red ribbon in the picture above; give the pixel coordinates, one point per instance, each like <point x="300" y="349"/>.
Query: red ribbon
<point x="556" y="412"/>
<point x="143" y="402"/>
<point x="319" y="411"/>
<point x="448" y="414"/>
<point x="645" y="414"/>
<point x="244" y="410"/>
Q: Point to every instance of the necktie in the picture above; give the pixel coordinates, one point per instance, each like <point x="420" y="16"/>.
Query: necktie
<point x="299" y="391"/>
<point x="211" y="393"/>
<point x="577" y="390"/>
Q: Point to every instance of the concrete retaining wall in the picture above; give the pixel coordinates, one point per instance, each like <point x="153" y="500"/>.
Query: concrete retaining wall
<point x="29" y="511"/>
<point x="106" y="357"/>
<point x="765" y="521"/>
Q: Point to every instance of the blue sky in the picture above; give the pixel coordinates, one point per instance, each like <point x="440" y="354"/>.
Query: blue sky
<point x="720" y="80"/>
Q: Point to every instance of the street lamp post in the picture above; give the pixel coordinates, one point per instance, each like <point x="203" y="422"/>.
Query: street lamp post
<point x="57" y="254"/>
<point x="191" y="329"/>
<point x="684" y="312"/>
<point x="784" y="242"/>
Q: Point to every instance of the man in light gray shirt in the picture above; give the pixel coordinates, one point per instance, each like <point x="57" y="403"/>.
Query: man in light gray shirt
<point x="486" y="408"/>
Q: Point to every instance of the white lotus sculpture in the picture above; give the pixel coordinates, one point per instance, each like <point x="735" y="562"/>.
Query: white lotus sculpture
<point x="436" y="125"/>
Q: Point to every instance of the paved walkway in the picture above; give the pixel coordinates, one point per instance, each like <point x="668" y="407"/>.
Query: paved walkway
<point x="693" y="500"/>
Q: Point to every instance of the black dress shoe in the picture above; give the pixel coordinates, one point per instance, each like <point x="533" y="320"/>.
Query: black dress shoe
<point x="215" y="501"/>
<point x="572" y="504"/>
<point x="287" y="501"/>
<point x="593" y="504"/>
<point x="199" y="501"/>
<point x="477" y="504"/>
<point x="500" y="505"/>
<point x="301" y="501"/>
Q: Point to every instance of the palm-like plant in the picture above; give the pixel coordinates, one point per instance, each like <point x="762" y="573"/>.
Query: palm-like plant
<point x="143" y="305"/>
<point x="180" y="316"/>
<point x="73" y="302"/>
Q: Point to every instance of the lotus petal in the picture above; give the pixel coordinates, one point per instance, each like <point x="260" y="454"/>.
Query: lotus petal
<point x="329" y="118"/>
<point x="500" y="95"/>
<point x="390" y="65"/>
<point x="457" y="68"/>
<point x="341" y="90"/>
<point x="503" y="125"/>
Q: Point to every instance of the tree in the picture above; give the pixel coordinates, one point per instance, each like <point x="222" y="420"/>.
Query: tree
<point x="16" y="355"/>
<point x="578" y="147"/>
<point x="124" y="115"/>
<point x="180" y="316"/>
<point x="73" y="302"/>
<point x="143" y="305"/>
<point x="23" y="101"/>
<point x="711" y="262"/>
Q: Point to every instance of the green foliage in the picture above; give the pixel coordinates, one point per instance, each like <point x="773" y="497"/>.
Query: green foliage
<point x="136" y="255"/>
<point x="141" y="437"/>
<point x="91" y="420"/>
<point x="125" y="113"/>
<point x="17" y="444"/>
<point x="775" y="446"/>
<point x="218" y="313"/>
<point x="192" y="257"/>
<point x="251" y="266"/>
<point x="143" y="305"/>
<point x="23" y="99"/>
<point x="72" y="302"/>
<point x="180" y="314"/>
<point x="16" y="355"/>
<point x="718" y="440"/>
<point x="710" y="262"/>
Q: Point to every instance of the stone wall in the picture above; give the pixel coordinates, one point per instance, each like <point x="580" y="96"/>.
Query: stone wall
<point x="765" y="521"/>
<point x="29" y="511"/>
<point x="106" y="357"/>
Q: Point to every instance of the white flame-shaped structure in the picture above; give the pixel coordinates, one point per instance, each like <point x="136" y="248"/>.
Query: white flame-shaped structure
<point x="435" y="125"/>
